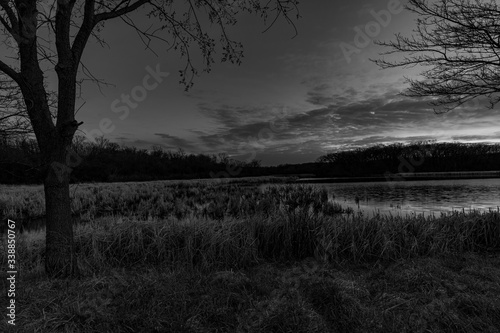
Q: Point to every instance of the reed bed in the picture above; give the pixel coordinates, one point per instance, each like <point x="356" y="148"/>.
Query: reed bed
<point x="287" y="235"/>
<point x="157" y="199"/>
<point x="283" y="234"/>
<point x="226" y="258"/>
<point x="226" y="225"/>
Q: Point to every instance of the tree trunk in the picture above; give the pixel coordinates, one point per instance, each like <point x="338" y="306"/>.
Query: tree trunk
<point x="60" y="259"/>
<point x="53" y="139"/>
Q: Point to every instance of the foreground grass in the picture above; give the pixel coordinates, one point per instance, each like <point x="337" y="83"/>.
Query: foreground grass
<point x="443" y="294"/>
<point x="281" y="259"/>
<point x="293" y="272"/>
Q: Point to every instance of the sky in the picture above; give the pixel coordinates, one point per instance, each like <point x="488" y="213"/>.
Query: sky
<point x="292" y="99"/>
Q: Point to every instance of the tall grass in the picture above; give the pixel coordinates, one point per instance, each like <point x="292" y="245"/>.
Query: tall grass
<point x="290" y="235"/>
<point x="159" y="199"/>
<point x="139" y="276"/>
<point x="284" y="235"/>
<point x="225" y="225"/>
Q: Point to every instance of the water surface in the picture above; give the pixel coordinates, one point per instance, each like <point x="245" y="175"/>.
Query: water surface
<point x="427" y="197"/>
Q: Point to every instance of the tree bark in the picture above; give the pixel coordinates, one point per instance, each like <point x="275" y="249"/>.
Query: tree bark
<point x="54" y="140"/>
<point x="60" y="259"/>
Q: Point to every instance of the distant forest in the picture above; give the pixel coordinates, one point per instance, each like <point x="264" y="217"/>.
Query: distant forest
<point x="104" y="161"/>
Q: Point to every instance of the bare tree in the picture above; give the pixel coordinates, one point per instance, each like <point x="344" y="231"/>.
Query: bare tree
<point x="51" y="35"/>
<point x="460" y="41"/>
<point x="13" y="120"/>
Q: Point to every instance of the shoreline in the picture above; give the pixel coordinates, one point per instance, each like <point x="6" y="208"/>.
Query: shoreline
<point x="394" y="177"/>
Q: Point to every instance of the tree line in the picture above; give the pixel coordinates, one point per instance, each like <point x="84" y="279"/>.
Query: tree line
<point x="424" y="156"/>
<point x="105" y="161"/>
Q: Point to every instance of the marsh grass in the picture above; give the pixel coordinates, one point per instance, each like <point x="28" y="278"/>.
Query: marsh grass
<point x="274" y="259"/>
<point x="284" y="236"/>
<point x="160" y="200"/>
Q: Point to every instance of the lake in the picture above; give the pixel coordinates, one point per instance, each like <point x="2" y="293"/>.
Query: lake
<point x="427" y="197"/>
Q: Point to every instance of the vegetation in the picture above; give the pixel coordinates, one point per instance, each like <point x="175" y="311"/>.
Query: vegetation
<point x="159" y="200"/>
<point x="46" y="42"/>
<point x="425" y="156"/>
<point x="277" y="258"/>
<point x="456" y="43"/>
<point x="104" y="161"/>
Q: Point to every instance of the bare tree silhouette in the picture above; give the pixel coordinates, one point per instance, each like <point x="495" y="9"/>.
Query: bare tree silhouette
<point x="13" y="120"/>
<point x="460" y="41"/>
<point x="52" y="35"/>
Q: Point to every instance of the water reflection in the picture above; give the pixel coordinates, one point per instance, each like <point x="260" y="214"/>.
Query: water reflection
<point x="427" y="197"/>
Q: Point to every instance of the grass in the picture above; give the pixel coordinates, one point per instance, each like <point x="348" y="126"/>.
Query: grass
<point x="274" y="259"/>
<point x="442" y="294"/>
<point x="156" y="199"/>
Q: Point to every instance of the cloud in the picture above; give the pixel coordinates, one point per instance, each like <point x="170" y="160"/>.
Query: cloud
<point x="174" y="142"/>
<point x="476" y="138"/>
<point x="318" y="95"/>
<point x="349" y="120"/>
<point x="231" y="116"/>
<point x="359" y="122"/>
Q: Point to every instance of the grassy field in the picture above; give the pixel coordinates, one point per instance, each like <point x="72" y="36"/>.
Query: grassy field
<point x="155" y="199"/>
<point x="223" y="257"/>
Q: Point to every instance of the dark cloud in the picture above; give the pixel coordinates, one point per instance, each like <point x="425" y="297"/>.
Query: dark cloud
<point x="322" y="94"/>
<point x="358" y="123"/>
<point x="231" y="116"/>
<point x="175" y="142"/>
<point x="319" y="95"/>
<point x="277" y="137"/>
<point x="318" y="99"/>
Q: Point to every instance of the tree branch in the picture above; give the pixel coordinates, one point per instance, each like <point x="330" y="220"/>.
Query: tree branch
<point x="9" y="71"/>
<point x="459" y="39"/>
<point x="85" y="31"/>
<point x="63" y="26"/>
<point x="119" y="12"/>
<point x="11" y="15"/>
